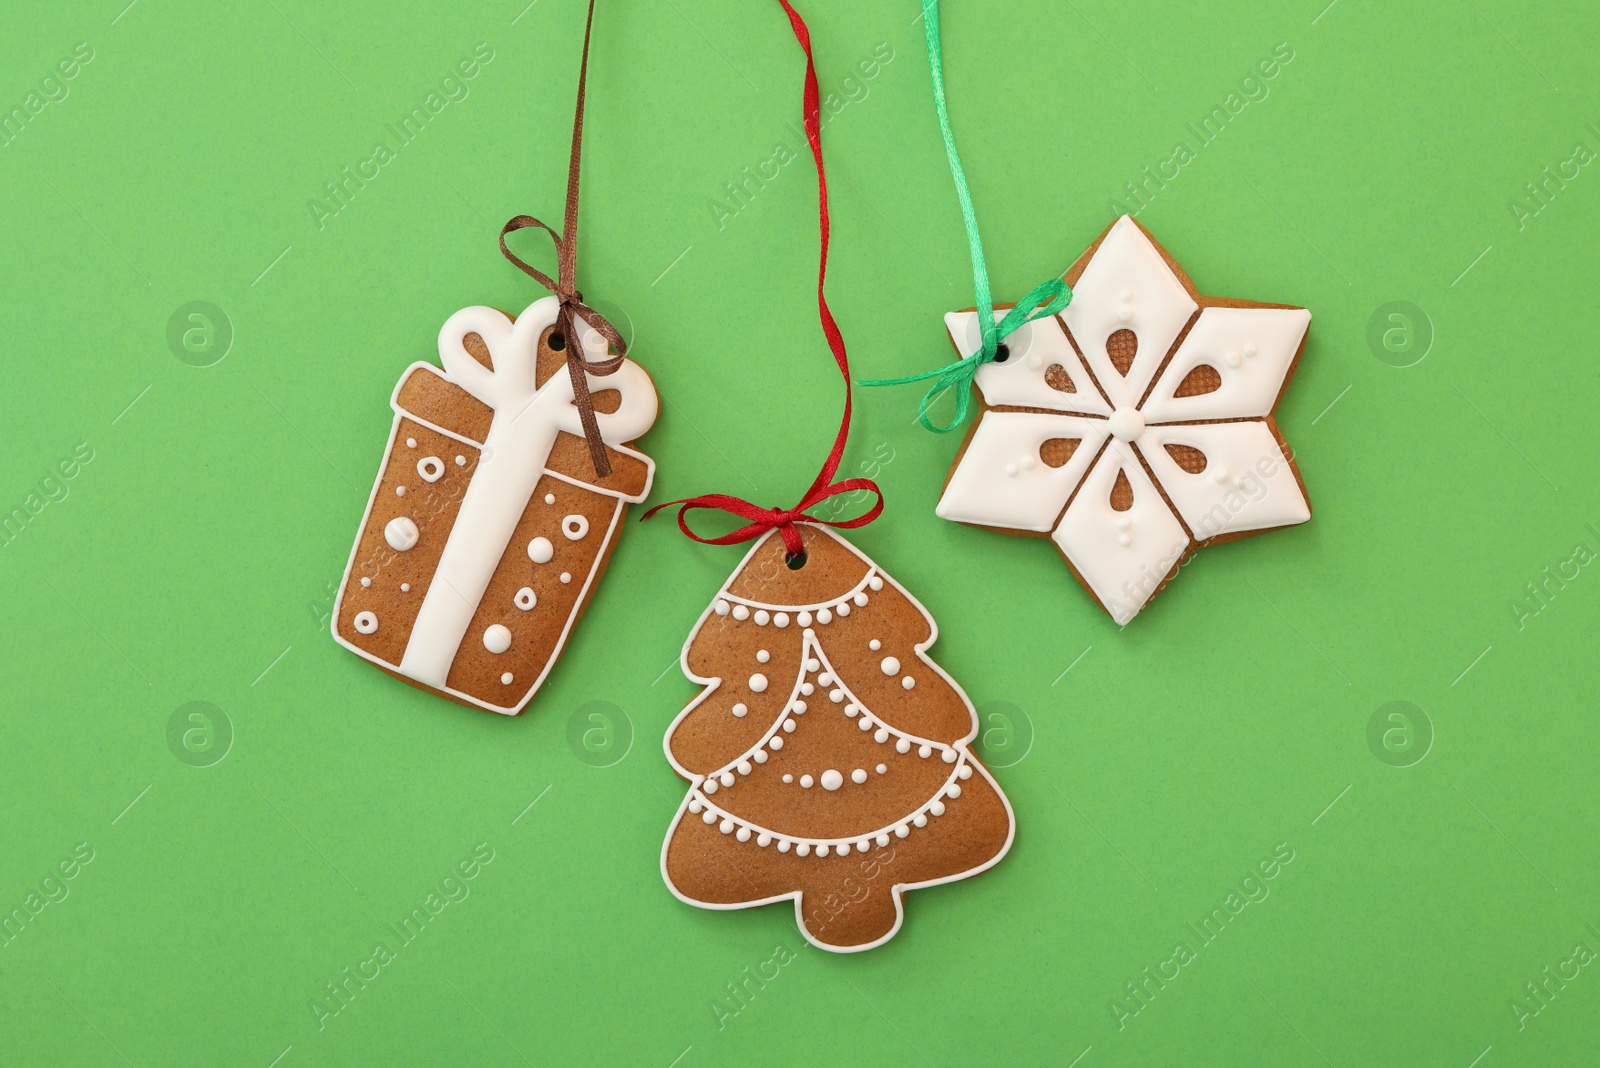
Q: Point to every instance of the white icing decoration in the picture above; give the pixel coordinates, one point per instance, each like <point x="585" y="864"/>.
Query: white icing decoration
<point x="824" y="616"/>
<point x="831" y="780"/>
<point x="780" y="620"/>
<point x="505" y="679"/>
<point x="526" y="421"/>
<point x="431" y="468"/>
<point x="874" y="645"/>
<point x="540" y="550"/>
<point x="405" y="587"/>
<point x="806" y="781"/>
<point x="1247" y="484"/>
<point x="858" y="776"/>
<point x="758" y="683"/>
<point x="908" y="682"/>
<point x="890" y="666"/>
<point x="497" y="639"/>
<point x="365" y="582"/>
<point x="411" y="443"/>
<point x="882" y="769"/>
<point x="804" y="619"/>
<point x="525" y="598"/>
<point x="1122" y="577"/>
<point x="741" y="709"/>
<point x="788" y="778"/>
<point x="741" y="612"/>
<point x="721" y="607"/>
<point x="566" y="577"/>
<point x="366" y="623"/>
<point x="399" y="491"/>
<point x="763" y="617"/>
<point x="575" y="527"/>
<point x="401" y="533"/>
<point x="461" y="461"/>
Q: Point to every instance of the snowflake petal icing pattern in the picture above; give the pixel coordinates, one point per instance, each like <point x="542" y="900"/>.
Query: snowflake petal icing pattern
<point x="1133" y="427"/>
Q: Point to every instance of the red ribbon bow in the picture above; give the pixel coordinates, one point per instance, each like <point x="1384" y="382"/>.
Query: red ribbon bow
<point x="786" y="520"/>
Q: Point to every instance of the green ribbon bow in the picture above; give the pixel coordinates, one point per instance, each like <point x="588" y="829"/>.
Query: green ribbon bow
<point x="1045" y="299"/>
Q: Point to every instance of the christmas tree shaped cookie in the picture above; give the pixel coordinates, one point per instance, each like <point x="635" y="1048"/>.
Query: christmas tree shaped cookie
<point x="828" y="755"/>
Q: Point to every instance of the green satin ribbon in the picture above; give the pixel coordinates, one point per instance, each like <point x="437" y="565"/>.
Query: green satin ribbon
<point x="1046" y="298"/>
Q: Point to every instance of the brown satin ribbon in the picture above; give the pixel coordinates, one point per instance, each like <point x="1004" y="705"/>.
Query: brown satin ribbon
<point x="566" y="282"/>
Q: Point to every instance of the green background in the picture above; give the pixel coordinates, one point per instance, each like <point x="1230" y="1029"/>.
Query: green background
<point x="194" y="557"/>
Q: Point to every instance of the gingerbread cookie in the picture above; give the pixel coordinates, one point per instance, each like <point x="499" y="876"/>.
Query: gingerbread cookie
<point x="1134" y="427"/>
<point x="488" y="529"/>
<point x="828" y="756"/>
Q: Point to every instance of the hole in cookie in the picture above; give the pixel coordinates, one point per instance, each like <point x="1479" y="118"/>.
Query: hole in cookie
<point x="1122" y="347"/>
<point x="1057" y="451"/>
<point x="557" y="342"/>
<point x="1203" y="379"/>
<point x="1002" y="353"/>
<point x="1056" y="377"/>
<point x="1187" y="457"/>
<point x="478" y="349"/>
<point x="606" y="401"/>
<point x="1122" y="493"/>
<point x="797" y="561"/>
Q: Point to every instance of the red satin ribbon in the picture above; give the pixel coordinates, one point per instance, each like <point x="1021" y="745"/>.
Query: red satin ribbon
<point x="784" y="520"/>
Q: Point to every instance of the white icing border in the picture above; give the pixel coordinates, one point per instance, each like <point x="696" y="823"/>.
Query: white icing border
<point x="896" y="890"/>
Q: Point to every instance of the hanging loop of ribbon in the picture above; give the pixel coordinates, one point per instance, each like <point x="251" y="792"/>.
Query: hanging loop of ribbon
<point x="786" y="520"/>
<point x="1043" y="300"/>
<point x="565" y="284"/>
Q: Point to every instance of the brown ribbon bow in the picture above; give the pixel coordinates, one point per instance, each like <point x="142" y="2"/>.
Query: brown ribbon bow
<point x="566" y="283"/>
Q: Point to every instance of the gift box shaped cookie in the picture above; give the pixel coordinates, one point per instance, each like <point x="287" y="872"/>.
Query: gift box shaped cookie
<point x="488" y="528"/>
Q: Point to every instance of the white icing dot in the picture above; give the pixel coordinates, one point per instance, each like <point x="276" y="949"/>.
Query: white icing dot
<point x="431" y="468"/>
<point x="366" y="623"/>
<point x="882" y="769"/>
<point x="762" y="656"/>
<point x="788" y="778"/>
<point x="740" y="710"/>
<point x="1124" y="295"/>
<point x="781" y="620"/>
<point x="874" y="645"/>
<point x="505" y="679"/>
<point x="858" y="776"/>
<point x="743" y="835"/>
<point x="965" y="772"/>
<point x="882" y="840"/>
<point x="763" y="840"/>
<point x="908" y="682"/>
<point x="401" y="533"/>
<point x="902" y="831"/>
<point x="890" y="666"/>
<point x="759" y="756"/>
<point x="741" y="613"/>
<point x="875" y="582"/>
<point x="525" y="598"/>
<point x="743" y="767"/>
<point x="1124" y="523"/>
<point x="881" y="735"/>
<point x="842" y="609"/>
<point x="763" y="617"/>
<point x="802" y="850"/>
<point x="497" y="639"/>
<point x="863" y="845"/>
<point x="924" y="751"/>
<point x="953" y="790"/>
<point x="783" y="845"/>
<point x="365" y="582"/>
<point x="788" y="726"/>
<point x="832" y="780"/>
<point x="721" y="607"/>
<point x="775" y="744"/>
<point x="807" y="689"/>
<point x="758" y="683"/>
<point x="804" y="619"/>
<point x="696" y="807"/>
<point x="574" y="527"/>
<point x="812" y="663"/>
<point x="860" y="600"/>
<point x="949" y="756"/>
<point x="937" y="808"/>
<point x="461" y="461"/>
<point x="1011" y="470"/>
<point x="1233" y="359"/>
<point x="920" y="821"/>
<point x="1124" y="540"/>
<point x="1249" y="349"/>
<point x="399" y="491"/>
<point x="825" y="679"/>
<point x="726" y="826"/>
<point x="836" y="695"/>
<point x="865" y="723"/>
<point x="903" y="745"/>
<point x="726" y="778"/>
<point x="798" y="707"/>
<point x="540" y="550"/>
<point x="710" y="816"/>
<point x="549" y="498"/>
<point x="1125" y="313"/>
<point x="710" y="787"/>
<point x="824" y="616"/>
<point x="566" y="576"/>
<point x="405" y="587"/>
<point x="411" y="443"/>
<point x="852" y="710"/>
<point x="806" y="781"/>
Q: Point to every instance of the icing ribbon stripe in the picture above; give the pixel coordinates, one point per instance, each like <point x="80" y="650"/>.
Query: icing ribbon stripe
<point x="785" y="520"/>
<point x="565" y="285"/>
<point x="1045" y="299"/>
